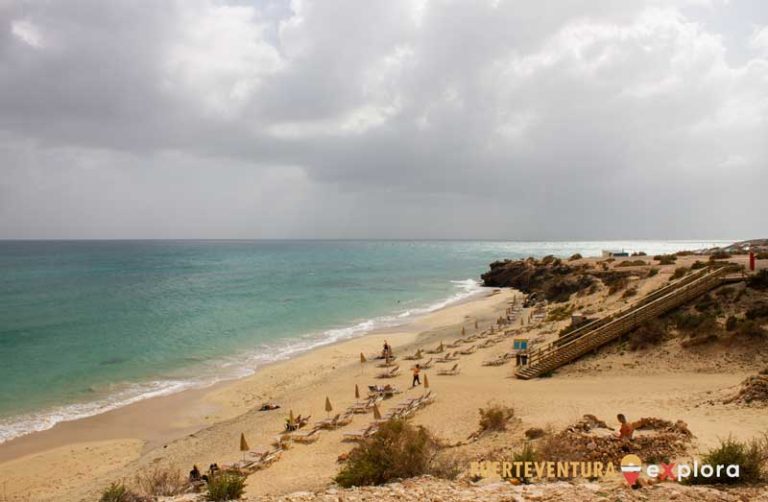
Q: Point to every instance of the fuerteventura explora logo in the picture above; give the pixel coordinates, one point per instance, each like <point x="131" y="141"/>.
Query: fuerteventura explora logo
<point x="631" y="466"/>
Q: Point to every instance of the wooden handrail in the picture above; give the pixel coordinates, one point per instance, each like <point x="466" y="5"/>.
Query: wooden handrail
<point x="614" y="325"/>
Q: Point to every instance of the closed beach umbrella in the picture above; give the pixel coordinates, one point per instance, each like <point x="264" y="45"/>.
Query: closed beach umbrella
<point x="475" y="323"/>
<point x="426" y="382"/>
<point x="376" y="413"/>
<point x="441" y="346"/>
<point x="357" y="392"/>
<point x="243" y="444"/>
<point x="463" y="331"/>
<point x="291" y="420"/>
<point x="362" y="358"/>
<point x="328" y="407"/>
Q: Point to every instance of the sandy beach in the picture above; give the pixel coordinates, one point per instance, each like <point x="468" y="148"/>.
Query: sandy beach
<point x="75" y="460"/>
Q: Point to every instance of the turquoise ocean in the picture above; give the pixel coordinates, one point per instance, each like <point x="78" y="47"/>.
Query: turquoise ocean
<point x="89" y="326"/>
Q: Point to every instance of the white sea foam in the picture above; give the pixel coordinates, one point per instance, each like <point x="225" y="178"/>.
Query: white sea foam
<point x="229" y="368"/>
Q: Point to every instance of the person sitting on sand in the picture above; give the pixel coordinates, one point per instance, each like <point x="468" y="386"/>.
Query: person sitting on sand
<point x="269" y="407"/>
<point x="626" y="430"/>
<point x="194" y="474"/>
<point x="416" y="369"/>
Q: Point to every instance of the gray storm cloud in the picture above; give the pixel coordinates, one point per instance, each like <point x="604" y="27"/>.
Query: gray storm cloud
<point x="344" y="119"/>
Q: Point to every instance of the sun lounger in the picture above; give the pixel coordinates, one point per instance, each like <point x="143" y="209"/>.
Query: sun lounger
<point x="345" y="419"/>
<point x="502" y="359"/>
<point x="382" y="390"/>
<point x="447" y="358"/>
<point x="415" y="356"/>
<point x="452" y="371"/>
<point x="427" y="365"/>
<point x="307" y="437"/>
<point x="364" y="406"/>
<point x="328" y="423"/>
<point x="361" y="434"/>
<point x="468" y="351"/>
<point x="455" y="344"/>
<point x="437" y="350"/>
<point x="391" y="373"/>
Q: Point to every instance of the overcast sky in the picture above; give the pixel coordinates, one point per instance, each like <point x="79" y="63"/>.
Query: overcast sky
<point x="591" y="119"/>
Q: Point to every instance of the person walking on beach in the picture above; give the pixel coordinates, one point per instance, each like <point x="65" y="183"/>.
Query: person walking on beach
<point x="416" y="370"/>
<point x="387" y="352"/>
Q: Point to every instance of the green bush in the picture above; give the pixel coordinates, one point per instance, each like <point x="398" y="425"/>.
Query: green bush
<point x="575" y="256"/>
<point x="761" y="256"/>
<point x="698" y="265"/>
<point x="679" y="273"/>
<point x="665" y="259"/>
<point x="719" y="255"/>
<point x="225" y="486"/>
<point x="495" y="417"/>
<point x="397" y="450"/>
<point x="118" y="492"/>
<point x="652" y="272"/>
<point x="749" y="456"/>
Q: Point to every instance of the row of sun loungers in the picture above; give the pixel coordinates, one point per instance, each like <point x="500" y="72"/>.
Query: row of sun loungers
<point x="403" y="410"/>
<point x="502" y="359"/>
<point x="451" y="356"/>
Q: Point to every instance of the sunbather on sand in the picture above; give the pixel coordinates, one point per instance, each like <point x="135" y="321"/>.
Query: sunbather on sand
<point x="269" y="407"/>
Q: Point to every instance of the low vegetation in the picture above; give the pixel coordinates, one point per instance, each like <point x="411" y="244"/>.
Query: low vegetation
<point x="679" y="273"/>
<point x="161" y="482"/>
<point x="118" y="492"/>
<point x="575" y="256"/>
<point x="648" y="334"/>
<point x="750" y="456"/>
<point x="495" y="417"/>
<point x="225" y="486"/>
<point x="719" y="255"/>
<point x="759" y="280"/>
<point x="560" y="313"/>
<point x="631" y="263"/>
<point x="397" y="450"/>
<point x="665" y="259"/>
<point x="629" y="293"/>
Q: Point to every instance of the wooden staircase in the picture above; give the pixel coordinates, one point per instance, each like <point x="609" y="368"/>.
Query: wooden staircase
<point x="597" y="333"/>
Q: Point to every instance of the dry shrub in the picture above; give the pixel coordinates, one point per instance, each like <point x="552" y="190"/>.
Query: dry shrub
<point x="679" y="273"/>
<point x="161" y="481"/>
<point x="759" y="280"/>
<point x="647" y="334"/>
<point x="719" y="255"/>
<point x="629" y="293"/>
<point x="665" y="259"/>
<point x="751" y="329"/>
<point x="397" y="450"/>
<point x="750" y="456"/>
<point x="495" y="417"/>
